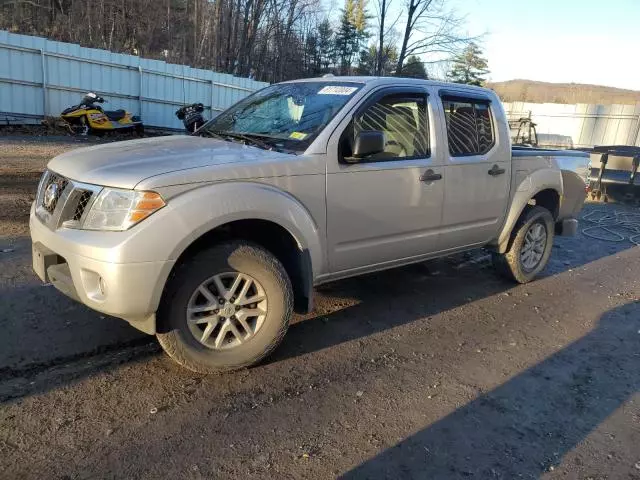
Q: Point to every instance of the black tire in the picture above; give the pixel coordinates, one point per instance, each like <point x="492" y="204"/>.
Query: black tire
<point x="174" y="334"/>
<point x="509" y="264"/>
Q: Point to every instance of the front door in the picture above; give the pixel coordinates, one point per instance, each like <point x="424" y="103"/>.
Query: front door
<point x="387" y="206"/>
<point x="477" y="173"/>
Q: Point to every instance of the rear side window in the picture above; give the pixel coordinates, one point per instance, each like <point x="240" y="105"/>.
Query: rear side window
<point x="469" y="126"/>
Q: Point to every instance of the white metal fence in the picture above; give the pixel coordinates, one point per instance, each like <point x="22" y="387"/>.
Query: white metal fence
<point x="587" y="125"/>
<point x="40" y="77"/>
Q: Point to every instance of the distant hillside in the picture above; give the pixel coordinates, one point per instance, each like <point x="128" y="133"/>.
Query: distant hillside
<point x="543" y="92"/>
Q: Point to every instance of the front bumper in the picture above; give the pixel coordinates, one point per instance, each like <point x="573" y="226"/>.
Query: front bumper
<point x="130" y="291"/>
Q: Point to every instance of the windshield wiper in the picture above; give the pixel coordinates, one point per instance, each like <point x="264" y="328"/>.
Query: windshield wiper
<point x="207" y="133"/>
<point x="245" y="138"/>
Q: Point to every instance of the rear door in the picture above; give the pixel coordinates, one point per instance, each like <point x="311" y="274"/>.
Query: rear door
<point x="387" y="207"/>
<point x="477" y="171"/>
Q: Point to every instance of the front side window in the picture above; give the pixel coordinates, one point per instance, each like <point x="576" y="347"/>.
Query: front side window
<point x="286" y="116"/>
<point x="469" y="126"/>
<point x="403" y="120"/>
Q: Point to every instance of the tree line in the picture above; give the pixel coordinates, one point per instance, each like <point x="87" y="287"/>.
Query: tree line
<point x="269" y="40"/>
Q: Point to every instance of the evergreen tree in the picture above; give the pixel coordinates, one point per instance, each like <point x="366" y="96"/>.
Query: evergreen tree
<point x="326" y="45"/>
<point x="351" y="33"/>
<point x="368" y="64"/>
<point x="414" y="68"/>
<point x="312" y="61"/>
<point x="469" y="67"/>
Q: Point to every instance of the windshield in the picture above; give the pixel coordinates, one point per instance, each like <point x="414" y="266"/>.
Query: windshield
<point x="285" y="116"/>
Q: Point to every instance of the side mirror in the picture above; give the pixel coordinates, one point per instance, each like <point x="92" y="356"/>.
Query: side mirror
<point x="368" y="142"/>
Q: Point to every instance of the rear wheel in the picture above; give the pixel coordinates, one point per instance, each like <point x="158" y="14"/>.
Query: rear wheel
<point x="530" y="246"/>
<point x="225" y="309"/>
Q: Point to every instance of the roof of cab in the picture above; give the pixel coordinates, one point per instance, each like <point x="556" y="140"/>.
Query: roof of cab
<point x="387" y="81"/>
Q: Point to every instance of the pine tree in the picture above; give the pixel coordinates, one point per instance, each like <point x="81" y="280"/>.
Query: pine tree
<point x="414" y="68"/>
<point x="469" y="67"/>
<point x="344" y="38"/>
<point x="312" y="63"/>
<point x="368" y="64"/>
<point x="351" y="33"/>
<point x="326" y="45"/>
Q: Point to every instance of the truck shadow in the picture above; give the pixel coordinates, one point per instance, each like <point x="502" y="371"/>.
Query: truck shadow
<point x="526" y="425"/>
<point x="354" y="308"/>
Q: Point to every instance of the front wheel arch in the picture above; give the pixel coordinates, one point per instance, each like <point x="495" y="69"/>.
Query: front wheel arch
<point x="197" y="354"/>
<point x="271" y="236"/>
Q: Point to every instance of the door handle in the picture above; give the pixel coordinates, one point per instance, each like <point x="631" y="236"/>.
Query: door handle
<point x="496" y="170"/>
<point x="430" y="176"/>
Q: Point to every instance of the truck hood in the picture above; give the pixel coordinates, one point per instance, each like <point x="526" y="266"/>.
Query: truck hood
<point x="125" y="164"/>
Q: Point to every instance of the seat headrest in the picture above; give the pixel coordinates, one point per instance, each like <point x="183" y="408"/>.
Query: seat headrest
<point x="400" y="118"/>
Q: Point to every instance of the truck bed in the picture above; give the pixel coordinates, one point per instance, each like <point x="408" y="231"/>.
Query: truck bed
<point x="572" y="160"/>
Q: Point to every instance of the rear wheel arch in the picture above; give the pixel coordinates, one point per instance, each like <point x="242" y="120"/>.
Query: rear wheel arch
<point x="547" y="198"/>
<point x="512" y="262"/>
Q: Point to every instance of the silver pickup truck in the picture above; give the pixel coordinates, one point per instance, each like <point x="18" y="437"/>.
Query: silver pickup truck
<point x="211" y="241"/>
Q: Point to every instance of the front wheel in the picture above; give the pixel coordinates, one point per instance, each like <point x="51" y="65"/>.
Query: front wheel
<point x="226" y="308"/>
<point x="530" y="246"/>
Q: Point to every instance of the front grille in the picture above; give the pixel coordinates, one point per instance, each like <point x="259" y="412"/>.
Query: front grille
<point x="83" y="200"/>
<point x="49" y="195"/>
<point x="65" y="203"/>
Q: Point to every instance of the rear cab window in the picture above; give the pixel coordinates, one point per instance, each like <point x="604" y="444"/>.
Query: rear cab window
<point x="470" y="126"/>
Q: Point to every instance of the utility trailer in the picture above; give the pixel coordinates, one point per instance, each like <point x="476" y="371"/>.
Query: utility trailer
<point x="614" y="168"/>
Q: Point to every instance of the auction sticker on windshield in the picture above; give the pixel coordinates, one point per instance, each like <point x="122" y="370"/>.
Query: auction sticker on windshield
<point x="298" y="135"/>
<point x="337" y="90"/>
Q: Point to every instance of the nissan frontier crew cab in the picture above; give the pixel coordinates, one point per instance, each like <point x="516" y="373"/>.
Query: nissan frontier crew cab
<point x="212" y="241"/>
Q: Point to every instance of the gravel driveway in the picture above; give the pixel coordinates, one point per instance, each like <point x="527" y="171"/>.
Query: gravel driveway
<point x="439" y="370"/>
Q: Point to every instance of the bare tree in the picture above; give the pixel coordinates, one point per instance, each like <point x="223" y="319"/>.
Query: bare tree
<point x="383" y="9"/>
<point x="386" y="30"/>
<point x="278" y="39"/>
<point x="431" y="28"/>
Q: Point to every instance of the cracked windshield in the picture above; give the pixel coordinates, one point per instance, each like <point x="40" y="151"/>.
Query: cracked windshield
<point x="285" y="117"/>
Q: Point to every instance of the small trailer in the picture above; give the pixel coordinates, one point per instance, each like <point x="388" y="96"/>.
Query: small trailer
<point x="614" y="166"/>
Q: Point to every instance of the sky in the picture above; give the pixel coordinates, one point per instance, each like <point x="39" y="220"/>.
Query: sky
<point x="580" y="41"/>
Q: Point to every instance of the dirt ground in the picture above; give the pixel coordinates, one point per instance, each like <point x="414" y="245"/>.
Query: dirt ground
<point x="435" y="371"/>
<point x="22" y="161"/>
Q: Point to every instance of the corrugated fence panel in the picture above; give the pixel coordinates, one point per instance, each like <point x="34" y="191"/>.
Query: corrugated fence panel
<point x="25" y="93"/>
<point x="40" y="77"/>
<point x="587" y="125"/>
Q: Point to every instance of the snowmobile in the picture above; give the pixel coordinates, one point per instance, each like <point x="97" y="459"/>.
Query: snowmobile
<point x="89" y="117"/>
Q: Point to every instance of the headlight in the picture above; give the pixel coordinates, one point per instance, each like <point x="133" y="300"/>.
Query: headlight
<point x="116" y="209"/>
